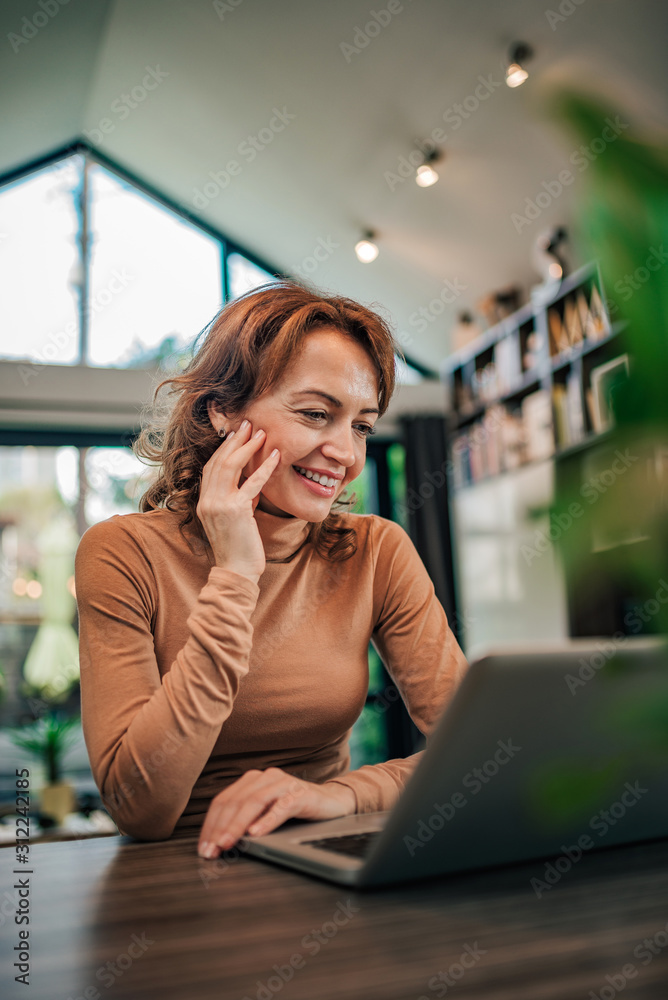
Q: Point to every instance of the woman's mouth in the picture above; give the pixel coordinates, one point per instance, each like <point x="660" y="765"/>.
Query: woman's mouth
<point x="319" y="488"/>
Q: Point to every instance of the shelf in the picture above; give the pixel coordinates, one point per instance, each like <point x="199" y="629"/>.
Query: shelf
<point x="559" y="454"/>
<point x="546" y="406"/>
<point x="501" y="475"/>
<point x="566" y="358"/>
<point x="530" y="382"/>
<point x="586" y="442"/>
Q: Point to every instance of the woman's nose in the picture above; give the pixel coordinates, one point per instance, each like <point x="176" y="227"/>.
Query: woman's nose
<point x="339" y="446"/>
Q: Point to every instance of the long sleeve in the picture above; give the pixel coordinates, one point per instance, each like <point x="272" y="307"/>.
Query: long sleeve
<point x="149" y="735"/>
<point x="420" y="653"/>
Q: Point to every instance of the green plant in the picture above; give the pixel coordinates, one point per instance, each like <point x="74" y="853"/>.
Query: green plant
<point x="48" y="739"/>
<point x="623" y="223"/>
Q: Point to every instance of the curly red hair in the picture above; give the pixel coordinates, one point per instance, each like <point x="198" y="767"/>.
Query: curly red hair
<point x="244" y="352"/>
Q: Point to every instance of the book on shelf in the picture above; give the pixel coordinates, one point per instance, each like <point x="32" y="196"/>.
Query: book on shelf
<point x="533" y="351"/>
<point x="584" y="313"/>
<point x="476" y="455"/>
<point x="531" y="390"/>
<point x="583" y="320"/>
<point x="562" y="425"/>
<point x="507" y="365"/>
<point x="605" y="379"/>
<point x="537" y="420"/>
<point x="459" y="452"/>
<point x="512" y="439"/>
<point x="574" y="404"/>
<point x="572" y="323"/>
<point x="492" y="425"/>
<point x="599" y="325"/>
<point x="558" y="334"/>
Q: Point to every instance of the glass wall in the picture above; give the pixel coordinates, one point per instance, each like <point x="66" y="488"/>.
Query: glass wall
<point x="39" y="302"/>
<point x="155" y="280"/>
<point x="243" y="275"/>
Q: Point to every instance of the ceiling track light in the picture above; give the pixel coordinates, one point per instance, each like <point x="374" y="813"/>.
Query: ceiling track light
<point x="519" y="54"/>
<point x="366" y="249"/>
<point x="425" y="175"/>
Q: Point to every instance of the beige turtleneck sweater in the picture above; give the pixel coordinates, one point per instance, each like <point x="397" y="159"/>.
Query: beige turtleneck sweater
<point x="192" y="674"/>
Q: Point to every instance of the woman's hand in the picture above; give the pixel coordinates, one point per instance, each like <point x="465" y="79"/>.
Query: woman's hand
<point x="226" y="509"/>
<point x="259" y="801"/>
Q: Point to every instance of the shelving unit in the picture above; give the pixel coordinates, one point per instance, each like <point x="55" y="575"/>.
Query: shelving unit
<point x="533" y="386"/>
<point x="526" y="402"/>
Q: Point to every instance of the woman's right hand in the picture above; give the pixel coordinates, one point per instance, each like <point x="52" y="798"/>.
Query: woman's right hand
<point x="227" y="510"/>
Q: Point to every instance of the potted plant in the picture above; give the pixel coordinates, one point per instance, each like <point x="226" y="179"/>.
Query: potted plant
<point x="48" y="739"/>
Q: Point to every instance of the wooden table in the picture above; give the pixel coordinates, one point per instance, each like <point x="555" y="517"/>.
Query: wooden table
<point x="114" y="918"/>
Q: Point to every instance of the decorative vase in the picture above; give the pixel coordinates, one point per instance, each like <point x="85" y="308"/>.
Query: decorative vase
<point x="57" y="800"/>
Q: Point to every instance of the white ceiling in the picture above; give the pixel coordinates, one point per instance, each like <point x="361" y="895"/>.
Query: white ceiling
<point x="322" y="178"/>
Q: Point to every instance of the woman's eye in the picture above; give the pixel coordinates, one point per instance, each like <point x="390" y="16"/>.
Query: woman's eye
<point x="366" y="429"/>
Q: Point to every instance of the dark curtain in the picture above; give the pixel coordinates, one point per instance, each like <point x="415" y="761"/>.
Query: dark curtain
<point x="427" y="485"/>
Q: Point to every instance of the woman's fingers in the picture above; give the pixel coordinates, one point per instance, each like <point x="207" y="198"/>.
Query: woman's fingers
<point x="227" y="502"/>
<point x="235" y="451"/>
<point x="270" y="796"/>
<point x="257" y="479"/>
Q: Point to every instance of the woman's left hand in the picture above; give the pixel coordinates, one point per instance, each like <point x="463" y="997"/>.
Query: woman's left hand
<point x="259" y="801"/>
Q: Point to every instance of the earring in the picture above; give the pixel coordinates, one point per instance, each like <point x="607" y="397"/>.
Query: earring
<point x="222" y="433"/>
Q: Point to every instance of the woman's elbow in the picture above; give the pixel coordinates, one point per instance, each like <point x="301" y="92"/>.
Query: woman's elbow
<point x="135" y="817"/>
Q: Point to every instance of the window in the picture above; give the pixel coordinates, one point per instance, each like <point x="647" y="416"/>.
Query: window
<point x="48" y="497"/>
<point x="243" y="275"/>
<point x="124" y="281"/>
<point x="155" y="280"/>
<point x="39" y="302"/>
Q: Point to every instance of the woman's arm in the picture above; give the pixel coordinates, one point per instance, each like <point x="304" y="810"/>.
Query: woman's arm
<point x="149" y="737"/>
<point x="419" y="650"/>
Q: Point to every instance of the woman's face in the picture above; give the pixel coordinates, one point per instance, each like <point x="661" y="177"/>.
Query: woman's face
<point x="318" y="415"/>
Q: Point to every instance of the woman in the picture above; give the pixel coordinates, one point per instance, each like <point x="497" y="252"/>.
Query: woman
<point x="224" y="630"/>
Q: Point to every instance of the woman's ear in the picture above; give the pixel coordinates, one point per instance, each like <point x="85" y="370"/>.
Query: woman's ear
<point x="216" y="415"/>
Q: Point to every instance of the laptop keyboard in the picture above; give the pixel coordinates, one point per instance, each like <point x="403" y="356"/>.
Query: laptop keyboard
<point x="357" y="845"/>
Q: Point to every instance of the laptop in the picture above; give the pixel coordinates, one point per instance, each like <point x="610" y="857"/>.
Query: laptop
<point x="543" y="752"/>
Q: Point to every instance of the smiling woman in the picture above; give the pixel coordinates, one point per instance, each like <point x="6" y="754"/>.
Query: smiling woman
<point x="224" y="630"/>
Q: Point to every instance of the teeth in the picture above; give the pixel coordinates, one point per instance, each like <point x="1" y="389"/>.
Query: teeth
<point x="316" y="477"/>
